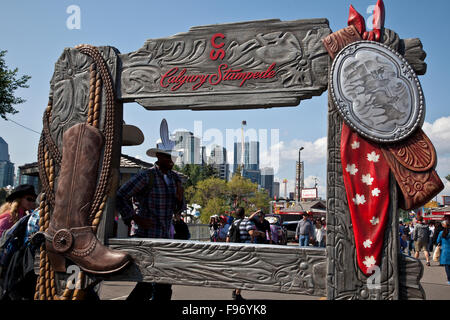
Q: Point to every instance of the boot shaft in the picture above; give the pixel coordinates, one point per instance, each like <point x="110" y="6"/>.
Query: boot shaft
<point x="82" y="146"/>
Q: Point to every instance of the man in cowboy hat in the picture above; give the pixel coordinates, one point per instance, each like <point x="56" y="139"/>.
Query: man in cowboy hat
<point x="158" y="194"/>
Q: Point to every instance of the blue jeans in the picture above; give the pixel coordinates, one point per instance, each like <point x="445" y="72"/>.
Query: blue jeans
<point x="304" y="241"/>
<point x="409" y="246"/>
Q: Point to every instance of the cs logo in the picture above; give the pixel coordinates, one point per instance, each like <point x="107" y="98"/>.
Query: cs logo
<point x="217" y="52"/>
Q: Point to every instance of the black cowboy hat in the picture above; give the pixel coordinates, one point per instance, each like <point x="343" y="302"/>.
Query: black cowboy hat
<point x="20" y="191"/>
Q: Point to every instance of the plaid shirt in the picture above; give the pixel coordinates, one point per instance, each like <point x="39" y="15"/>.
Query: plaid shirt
<point x="161" y="201"/>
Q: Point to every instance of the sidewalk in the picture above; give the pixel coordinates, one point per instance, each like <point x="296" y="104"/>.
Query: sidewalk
<point x="434" y="280"/>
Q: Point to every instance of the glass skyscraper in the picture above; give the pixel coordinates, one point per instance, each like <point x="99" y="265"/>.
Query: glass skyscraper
<point x="6" y="166"/>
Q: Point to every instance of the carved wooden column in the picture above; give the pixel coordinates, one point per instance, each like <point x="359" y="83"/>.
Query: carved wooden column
<point x="344" y="278"/>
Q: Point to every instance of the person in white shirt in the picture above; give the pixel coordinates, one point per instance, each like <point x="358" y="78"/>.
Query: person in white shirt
<point x="430" y="241"/>
<point x="320" y="234"/>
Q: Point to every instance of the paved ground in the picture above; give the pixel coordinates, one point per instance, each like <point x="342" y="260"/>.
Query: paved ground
<point x="434" y="282"/>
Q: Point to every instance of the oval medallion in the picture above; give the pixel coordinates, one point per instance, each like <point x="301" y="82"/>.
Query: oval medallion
<point x="377" y="92"/>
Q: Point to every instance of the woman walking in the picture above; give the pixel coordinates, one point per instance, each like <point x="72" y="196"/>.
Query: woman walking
<point x="443" y="240"/>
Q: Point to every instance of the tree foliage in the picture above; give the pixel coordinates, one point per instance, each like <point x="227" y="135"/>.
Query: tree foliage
<point x="215" y="195"/>
<point x="448" y="177"/>
<point x="196" y="173"/>
<point x="210" y="188"/>
<point x="213" y="206"/>
<point x="260" y="200"/>
<point x="9" y="83"/>
<point x="240" y="190"/>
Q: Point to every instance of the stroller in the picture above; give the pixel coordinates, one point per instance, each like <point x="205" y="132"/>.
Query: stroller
<point x="17" y="276"/>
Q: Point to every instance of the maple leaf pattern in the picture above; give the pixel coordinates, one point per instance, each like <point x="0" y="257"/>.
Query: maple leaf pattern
<point x="367" y="179"/>
<point x="367" y="243"/>
<point x="359" y="199"/>
<point x="375" y="221"/>
<point x="376" y="192"/>
<point x="351" y="168"/>
<point x="373" y="157"/>
<point x="355" y="145"/>
<point x="369" y="261"/>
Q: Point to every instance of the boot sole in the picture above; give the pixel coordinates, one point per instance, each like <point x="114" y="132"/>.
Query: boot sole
<point x="58" y="263"/>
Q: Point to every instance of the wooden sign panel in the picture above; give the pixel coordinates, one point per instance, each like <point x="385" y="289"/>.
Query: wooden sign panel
<point x="256" y="64"/>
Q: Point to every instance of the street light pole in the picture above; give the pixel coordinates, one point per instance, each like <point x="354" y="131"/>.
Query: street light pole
<point x="298" y="179"/>
<point x="242" y="147"/>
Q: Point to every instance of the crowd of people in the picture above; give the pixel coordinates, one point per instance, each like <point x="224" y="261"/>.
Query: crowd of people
<point x="428" y="237"/>
<point x="310" y="231"/>
<point x="265" y="232"/>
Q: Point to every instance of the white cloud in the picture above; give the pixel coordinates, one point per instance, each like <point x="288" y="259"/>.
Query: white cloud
<point x="446" y="191"/>
<point x="313" y="152"/>
<point x="439" y="134"/>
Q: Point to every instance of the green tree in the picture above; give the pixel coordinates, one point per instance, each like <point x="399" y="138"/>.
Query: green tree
<point x="260" y="200"/>
<point x="214" y="206"/>
<point x="196" y="173"/>
<point x="448" y="177"/>
<point x="189" y="194"/>
<point x="9" y="83"/>
<point x="210" y="188"/>
<point x="240" y="190"/>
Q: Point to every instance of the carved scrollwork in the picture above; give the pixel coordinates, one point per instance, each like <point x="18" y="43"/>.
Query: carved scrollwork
<point x="336" y="41"/>
<point x="286" y="57"/>
<point x="417" y="153"/>
<point x="70" y="92"/>
<point x="246" y="266"/>
<point x="417" y="187"/>
<point x="69" y="89"/>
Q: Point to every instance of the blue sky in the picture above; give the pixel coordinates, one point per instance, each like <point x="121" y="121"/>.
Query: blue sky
<point x="35" y="34"/>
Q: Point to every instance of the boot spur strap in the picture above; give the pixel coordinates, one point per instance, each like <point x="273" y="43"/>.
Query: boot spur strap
<point x="86" y="251"/>
<point x="62" y="240"/>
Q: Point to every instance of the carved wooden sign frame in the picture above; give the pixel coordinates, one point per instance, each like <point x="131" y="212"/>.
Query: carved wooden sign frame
<point x="257" y="64"/>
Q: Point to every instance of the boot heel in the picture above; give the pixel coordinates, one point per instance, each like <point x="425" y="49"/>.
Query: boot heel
<point x="57" y="261"/>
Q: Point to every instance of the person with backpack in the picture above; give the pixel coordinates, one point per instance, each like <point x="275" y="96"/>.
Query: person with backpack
<point x="242" y="230"/>
<point x="159" y="194"/>
<point x="421" y="236"/>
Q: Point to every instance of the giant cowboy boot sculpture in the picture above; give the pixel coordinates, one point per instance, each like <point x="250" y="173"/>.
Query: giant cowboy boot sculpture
<point x="70" y="235"/>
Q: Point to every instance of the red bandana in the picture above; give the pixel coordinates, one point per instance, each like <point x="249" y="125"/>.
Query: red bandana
<point x="366" y="179"/>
